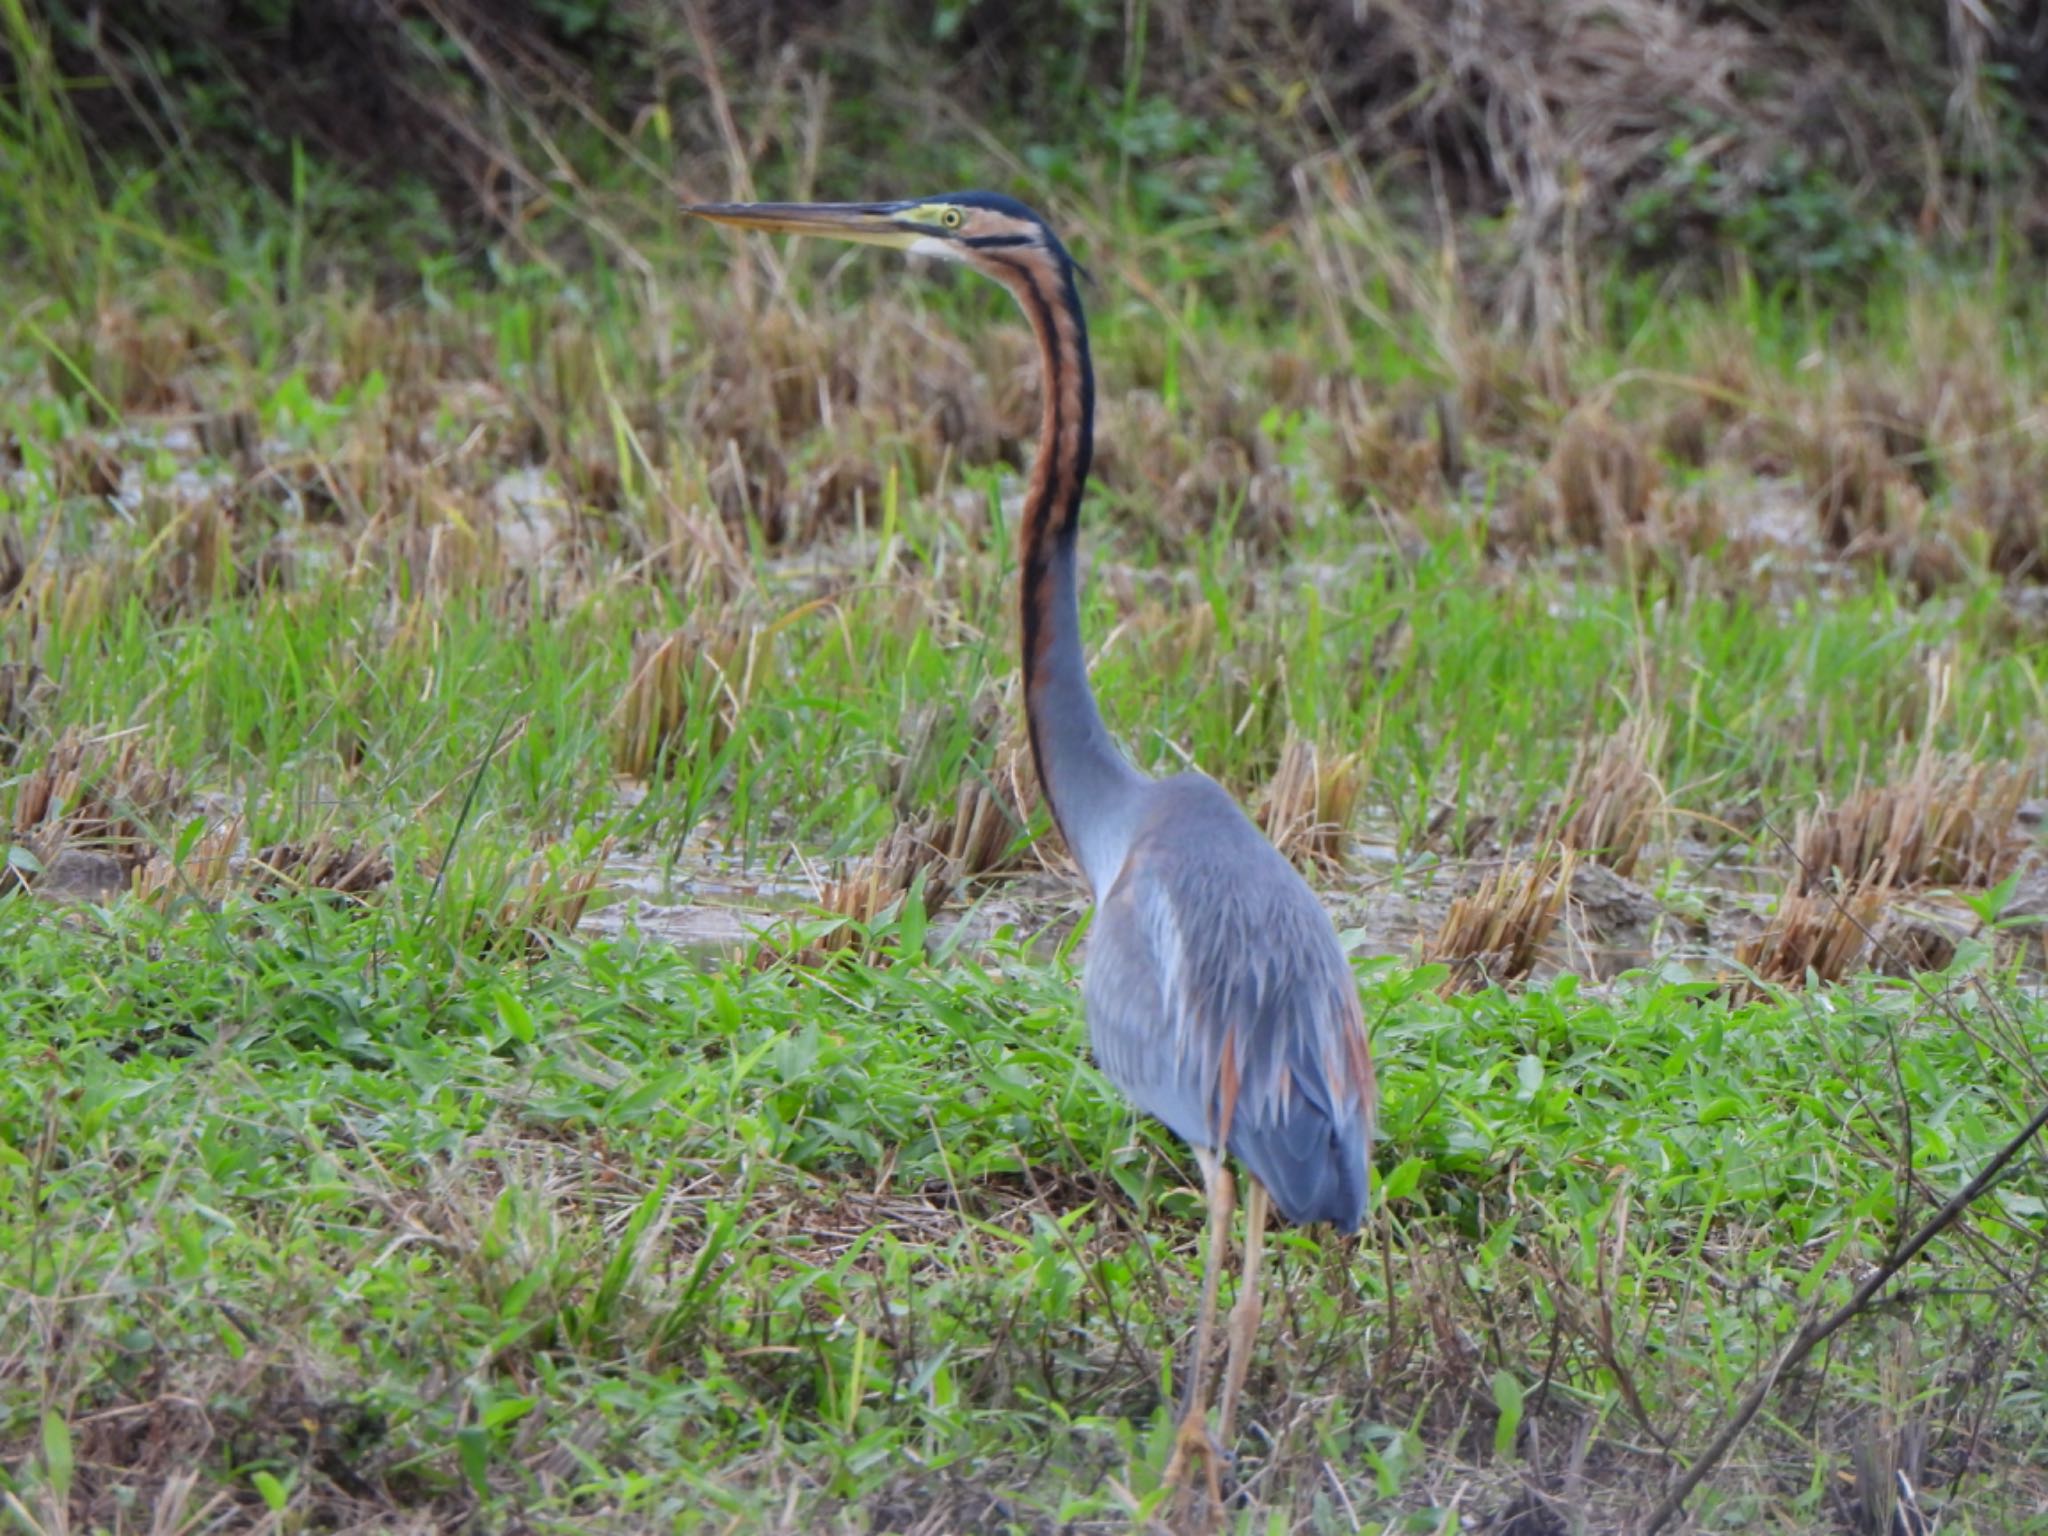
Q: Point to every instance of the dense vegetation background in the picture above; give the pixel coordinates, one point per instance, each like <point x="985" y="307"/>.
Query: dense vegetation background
<point x="1807" y="138"/>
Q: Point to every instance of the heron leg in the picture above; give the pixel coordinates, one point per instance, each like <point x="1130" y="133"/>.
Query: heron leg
<point x="1193" y="1439"/>
<point x="1244" y="1317"/>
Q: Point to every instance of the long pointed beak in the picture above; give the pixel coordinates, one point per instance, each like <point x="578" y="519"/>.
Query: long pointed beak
<point x="869" y="223"/>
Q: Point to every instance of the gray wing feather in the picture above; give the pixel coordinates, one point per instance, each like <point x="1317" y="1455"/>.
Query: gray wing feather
<point x="1216" y="990"/>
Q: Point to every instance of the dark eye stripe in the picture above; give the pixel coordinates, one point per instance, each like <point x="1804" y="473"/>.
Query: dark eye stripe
<point x="997" y="242"/>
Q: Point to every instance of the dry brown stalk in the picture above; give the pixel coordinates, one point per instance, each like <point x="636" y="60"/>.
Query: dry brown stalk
<point x="13" y="558"/>
<point x="24" y="693"/>
<point x="991" y="815"/>
<point x="1601" y="479"/>
<point x="1613" y="798"/>
<point x="688" y="543"/>
<point x="1492" y="936"/>
<point x="1385" y="456"/>
<point x="798" y="411"/>
<point x="652" y="710"/>
<point x="83" y="795"/>
<point x="136" y="359"/>
<point x="191" y="562"/>
<point x="1178" y="472"/>
<point x="1861" y="499"/>
<point x="1685" y="434"/>
<point x="871" y="888"/>
<point x="201" y="874"/>
<point x="322" y="865"/>
<point x="1822" y="934"/>
<point x="1949" y="820"/>
<point x="549" y="901"/>
<point x="1909" y="945"/>
<point x="1999" y="500"/>
<point x="1309" y="803"/>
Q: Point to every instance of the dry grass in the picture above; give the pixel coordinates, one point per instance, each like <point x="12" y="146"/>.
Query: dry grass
<point x="549" y="895"/>
<point x="190" y="564"/>
<point x="712" y="660"/>
<point x="86" y="794"/>
<point x="13" y="558"/>
<point x="1862" y="503"/>
<point x="1948" y="820"/>
<point x="1999" y="498"/>
<point x="1817" y="934"/>
<point x="1599" y="480"/>
<point x="1309" y="803"/>
<point x="873" y="888"/>
<point x="1937" y="470"/>
<point x="1613" y="799"/>
<point x="988" y="829"/>
<point x="24" y="691"/>
<point x="1177" y="475"/>
<point x="857" y="391"/>
<point x="323" y="864"/>
<point x="201" y="874"/>
<point x="1493" y="935"/>
<point x="1385" y="456"/>
<point x="1687" y="430"/>
<point x="1910" y="945"/>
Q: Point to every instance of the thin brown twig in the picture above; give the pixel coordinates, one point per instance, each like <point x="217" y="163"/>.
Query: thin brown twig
<point x="1817" y="1331"/>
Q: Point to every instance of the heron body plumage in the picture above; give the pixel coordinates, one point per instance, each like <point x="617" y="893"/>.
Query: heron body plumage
<point x="1219" y="1000"/>
<point x="1218" y="997"/>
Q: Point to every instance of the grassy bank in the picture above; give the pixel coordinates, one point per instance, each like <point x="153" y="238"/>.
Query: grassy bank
<point x="326" y="1220"/>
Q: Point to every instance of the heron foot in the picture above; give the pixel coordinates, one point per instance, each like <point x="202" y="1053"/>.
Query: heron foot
<point x="1193" y="1442"/>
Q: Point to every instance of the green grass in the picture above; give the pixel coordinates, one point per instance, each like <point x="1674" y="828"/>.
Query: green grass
<point x="313" y="709"/>
<point x="616" y="1240"/>
<point x="413" y="1212"/>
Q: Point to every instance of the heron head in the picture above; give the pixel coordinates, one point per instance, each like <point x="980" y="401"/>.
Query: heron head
<point x="985" y="230"/>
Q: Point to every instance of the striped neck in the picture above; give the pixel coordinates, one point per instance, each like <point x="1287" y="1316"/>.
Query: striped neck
<point x="1087" y="782"/>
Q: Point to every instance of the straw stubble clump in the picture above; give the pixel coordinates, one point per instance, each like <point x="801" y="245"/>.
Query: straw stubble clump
<point x="1308" y="804"/>
<point x="88" y="793"/>
<point x="1400" y="459"/>
<point x="1861" y="501"/>
<point x="1600" y="480"/>
<point x="983" y="832"/>
<point x="549" y="892"/>
<point x="1944" y="820"/>
<point x="1613" y="799"/>
<point x="1948" y="820"/>
<point x="25" y="695"/>
<point x="1177" y="474"/>
<point x="201" y="873"/>
<point x="1494" y="934"/>
<point x="708" y="664"/>
<point x="873" y="888"/>
<point x="987" y="829"/>
<point x="322" y="863"/>
<point x="1817" y="935"/>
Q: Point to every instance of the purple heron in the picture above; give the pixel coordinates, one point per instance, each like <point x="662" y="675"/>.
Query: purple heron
<point x="1218" y="998"/>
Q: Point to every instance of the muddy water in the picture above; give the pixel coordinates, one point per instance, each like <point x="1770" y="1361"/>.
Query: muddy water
<point x="1382" y="903"/>
<point x="708" y="904"/>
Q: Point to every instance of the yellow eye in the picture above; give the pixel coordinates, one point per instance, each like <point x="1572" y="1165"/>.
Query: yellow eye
<point x="950" y="218"/>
